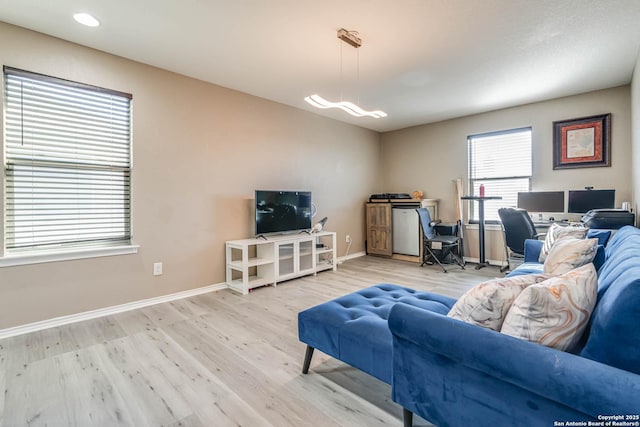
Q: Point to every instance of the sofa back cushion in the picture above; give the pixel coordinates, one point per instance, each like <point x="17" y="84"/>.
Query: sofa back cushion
<point x="614" y="333"/>
<point x="603" y="236"/>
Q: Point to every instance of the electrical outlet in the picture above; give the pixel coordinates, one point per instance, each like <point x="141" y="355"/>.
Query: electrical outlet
<point x="157" y="268"/>
<point x="348" y="238"/>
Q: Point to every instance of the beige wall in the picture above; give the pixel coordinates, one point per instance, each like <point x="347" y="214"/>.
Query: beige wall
<point x="430" y="157"/>
<point x="635" y="129"/>
<point x="200" y="151"/>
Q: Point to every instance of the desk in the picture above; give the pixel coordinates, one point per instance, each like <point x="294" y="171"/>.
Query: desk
<point x="544" y="225"/>
<point x="480" y="199"/>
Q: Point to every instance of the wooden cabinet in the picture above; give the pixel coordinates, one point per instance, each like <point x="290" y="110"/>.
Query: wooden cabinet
<point x="378" y="223"/>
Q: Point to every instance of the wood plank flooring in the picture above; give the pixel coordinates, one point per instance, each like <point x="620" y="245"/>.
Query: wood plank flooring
<point x="219" y="359"/>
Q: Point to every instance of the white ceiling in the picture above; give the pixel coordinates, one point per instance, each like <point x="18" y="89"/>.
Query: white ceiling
<point x="421" y="61"/>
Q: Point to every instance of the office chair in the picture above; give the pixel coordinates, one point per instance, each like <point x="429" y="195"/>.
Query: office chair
<point x="517" y="227"/>
<point x="429" y="236"/>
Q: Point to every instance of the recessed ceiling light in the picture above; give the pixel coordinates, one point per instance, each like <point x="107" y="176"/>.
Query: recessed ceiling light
<point x="86" y="19"/>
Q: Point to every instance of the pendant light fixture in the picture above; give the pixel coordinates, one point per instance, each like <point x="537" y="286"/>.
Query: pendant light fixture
<point x="86" y="19"/>
<point x="352" y="39"/>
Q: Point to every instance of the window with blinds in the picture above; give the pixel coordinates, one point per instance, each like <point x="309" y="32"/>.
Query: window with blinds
<point x="502" y="162"/>
<point x="67" y="163"/>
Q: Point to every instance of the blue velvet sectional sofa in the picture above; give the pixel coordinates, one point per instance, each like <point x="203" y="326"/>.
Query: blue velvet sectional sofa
<point x="456" y="374"/>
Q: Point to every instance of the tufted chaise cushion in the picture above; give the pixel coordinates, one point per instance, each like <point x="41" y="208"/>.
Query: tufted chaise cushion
<point x="353" y="328"/>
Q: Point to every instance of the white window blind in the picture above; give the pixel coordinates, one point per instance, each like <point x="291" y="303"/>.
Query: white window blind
<point x="67" y="163"/>
<point x="502" y="162"/>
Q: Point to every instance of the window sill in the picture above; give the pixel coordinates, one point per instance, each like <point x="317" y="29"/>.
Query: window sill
<point x="66" y="255"/>
<point x="474" y="226"/>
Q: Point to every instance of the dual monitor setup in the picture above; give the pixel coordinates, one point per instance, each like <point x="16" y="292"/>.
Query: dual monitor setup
<point x="579" y="201"/>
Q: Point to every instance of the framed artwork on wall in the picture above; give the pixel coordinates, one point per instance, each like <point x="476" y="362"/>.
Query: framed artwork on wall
<point x="582" y="143"/>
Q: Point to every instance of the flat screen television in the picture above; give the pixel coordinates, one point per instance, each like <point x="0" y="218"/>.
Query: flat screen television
<point x="282" y="211"/>
<point x="582" y="201"/>
<point x="541" y="201"/>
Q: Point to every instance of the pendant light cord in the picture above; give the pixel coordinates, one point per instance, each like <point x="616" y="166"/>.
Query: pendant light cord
<point x="358" y="77"/>
<point x="341" y="77"/>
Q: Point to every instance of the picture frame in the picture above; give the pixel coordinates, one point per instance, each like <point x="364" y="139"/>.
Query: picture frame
<point x="582" y="143"/>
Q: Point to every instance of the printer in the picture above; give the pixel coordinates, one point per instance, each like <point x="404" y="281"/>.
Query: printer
<point x="608" y="218"/>
<point x="389" y="196"/>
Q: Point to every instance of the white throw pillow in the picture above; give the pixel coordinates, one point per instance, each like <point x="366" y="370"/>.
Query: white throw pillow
<point x="555" y="312"/>
<point x="487" y="304"/>
<point x="569" y="253"/>
<point x="557" y="232"/>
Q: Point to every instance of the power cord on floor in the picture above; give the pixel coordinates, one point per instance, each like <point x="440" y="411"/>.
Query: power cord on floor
<point x="347" y="251"/>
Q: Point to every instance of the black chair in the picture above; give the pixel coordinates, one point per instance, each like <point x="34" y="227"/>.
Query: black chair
<point x="517" y="227"/>
<point x="450" y="244"/>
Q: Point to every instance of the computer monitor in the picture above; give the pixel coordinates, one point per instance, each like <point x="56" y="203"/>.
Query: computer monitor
<point x="582" y="201"/>
<point x="541" y="201"/>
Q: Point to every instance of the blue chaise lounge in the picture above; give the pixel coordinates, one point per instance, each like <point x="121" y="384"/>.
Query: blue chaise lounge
<point x="458" y="374"/>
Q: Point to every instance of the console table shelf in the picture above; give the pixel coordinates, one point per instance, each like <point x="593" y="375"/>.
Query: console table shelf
<point x="251" y="263"/>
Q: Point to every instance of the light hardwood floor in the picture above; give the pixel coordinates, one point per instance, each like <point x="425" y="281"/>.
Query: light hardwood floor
<point x="219" y="359"/>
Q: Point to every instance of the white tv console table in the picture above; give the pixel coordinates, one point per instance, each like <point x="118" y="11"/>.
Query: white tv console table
<point x="251" y="263"/>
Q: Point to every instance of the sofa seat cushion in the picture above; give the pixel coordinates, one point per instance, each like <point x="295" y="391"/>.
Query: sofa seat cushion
<point x="527" y="268"/>
<point x="532" y="266"/>
<point x="353" y="328"/>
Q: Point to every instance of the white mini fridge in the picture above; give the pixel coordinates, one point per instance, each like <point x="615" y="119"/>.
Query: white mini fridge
<point x="406" y="230"/>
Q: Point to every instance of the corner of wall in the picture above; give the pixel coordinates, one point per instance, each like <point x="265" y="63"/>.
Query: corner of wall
<point x="635" y="137"/>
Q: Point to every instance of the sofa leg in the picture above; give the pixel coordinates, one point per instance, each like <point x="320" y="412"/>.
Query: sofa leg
<point x="307" y="360"/>
<point x="407" y="417"/>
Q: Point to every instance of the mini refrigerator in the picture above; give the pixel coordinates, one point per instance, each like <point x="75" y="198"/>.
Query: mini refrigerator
<point x="406" y="230"/>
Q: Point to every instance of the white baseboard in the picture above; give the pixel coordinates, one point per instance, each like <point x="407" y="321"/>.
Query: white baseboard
<point x="351" y="256"/>
<point x="107" y="311"/>
<point x="93" y="314"/>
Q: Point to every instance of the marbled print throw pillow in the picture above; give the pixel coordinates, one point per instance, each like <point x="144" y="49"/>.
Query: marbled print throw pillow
<point x="569" y="253"/>
<point x="487" y="304"/>
<point x="555" y="312"/>
<point x="557" y="232"/>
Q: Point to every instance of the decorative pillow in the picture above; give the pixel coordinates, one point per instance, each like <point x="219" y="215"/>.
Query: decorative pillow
<point x="557" y="232"/>
<point x="603" y="236"/>
<point x="555" y="312"/>
<point x="486" y="304"/>
<point x="569" y="253"/>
